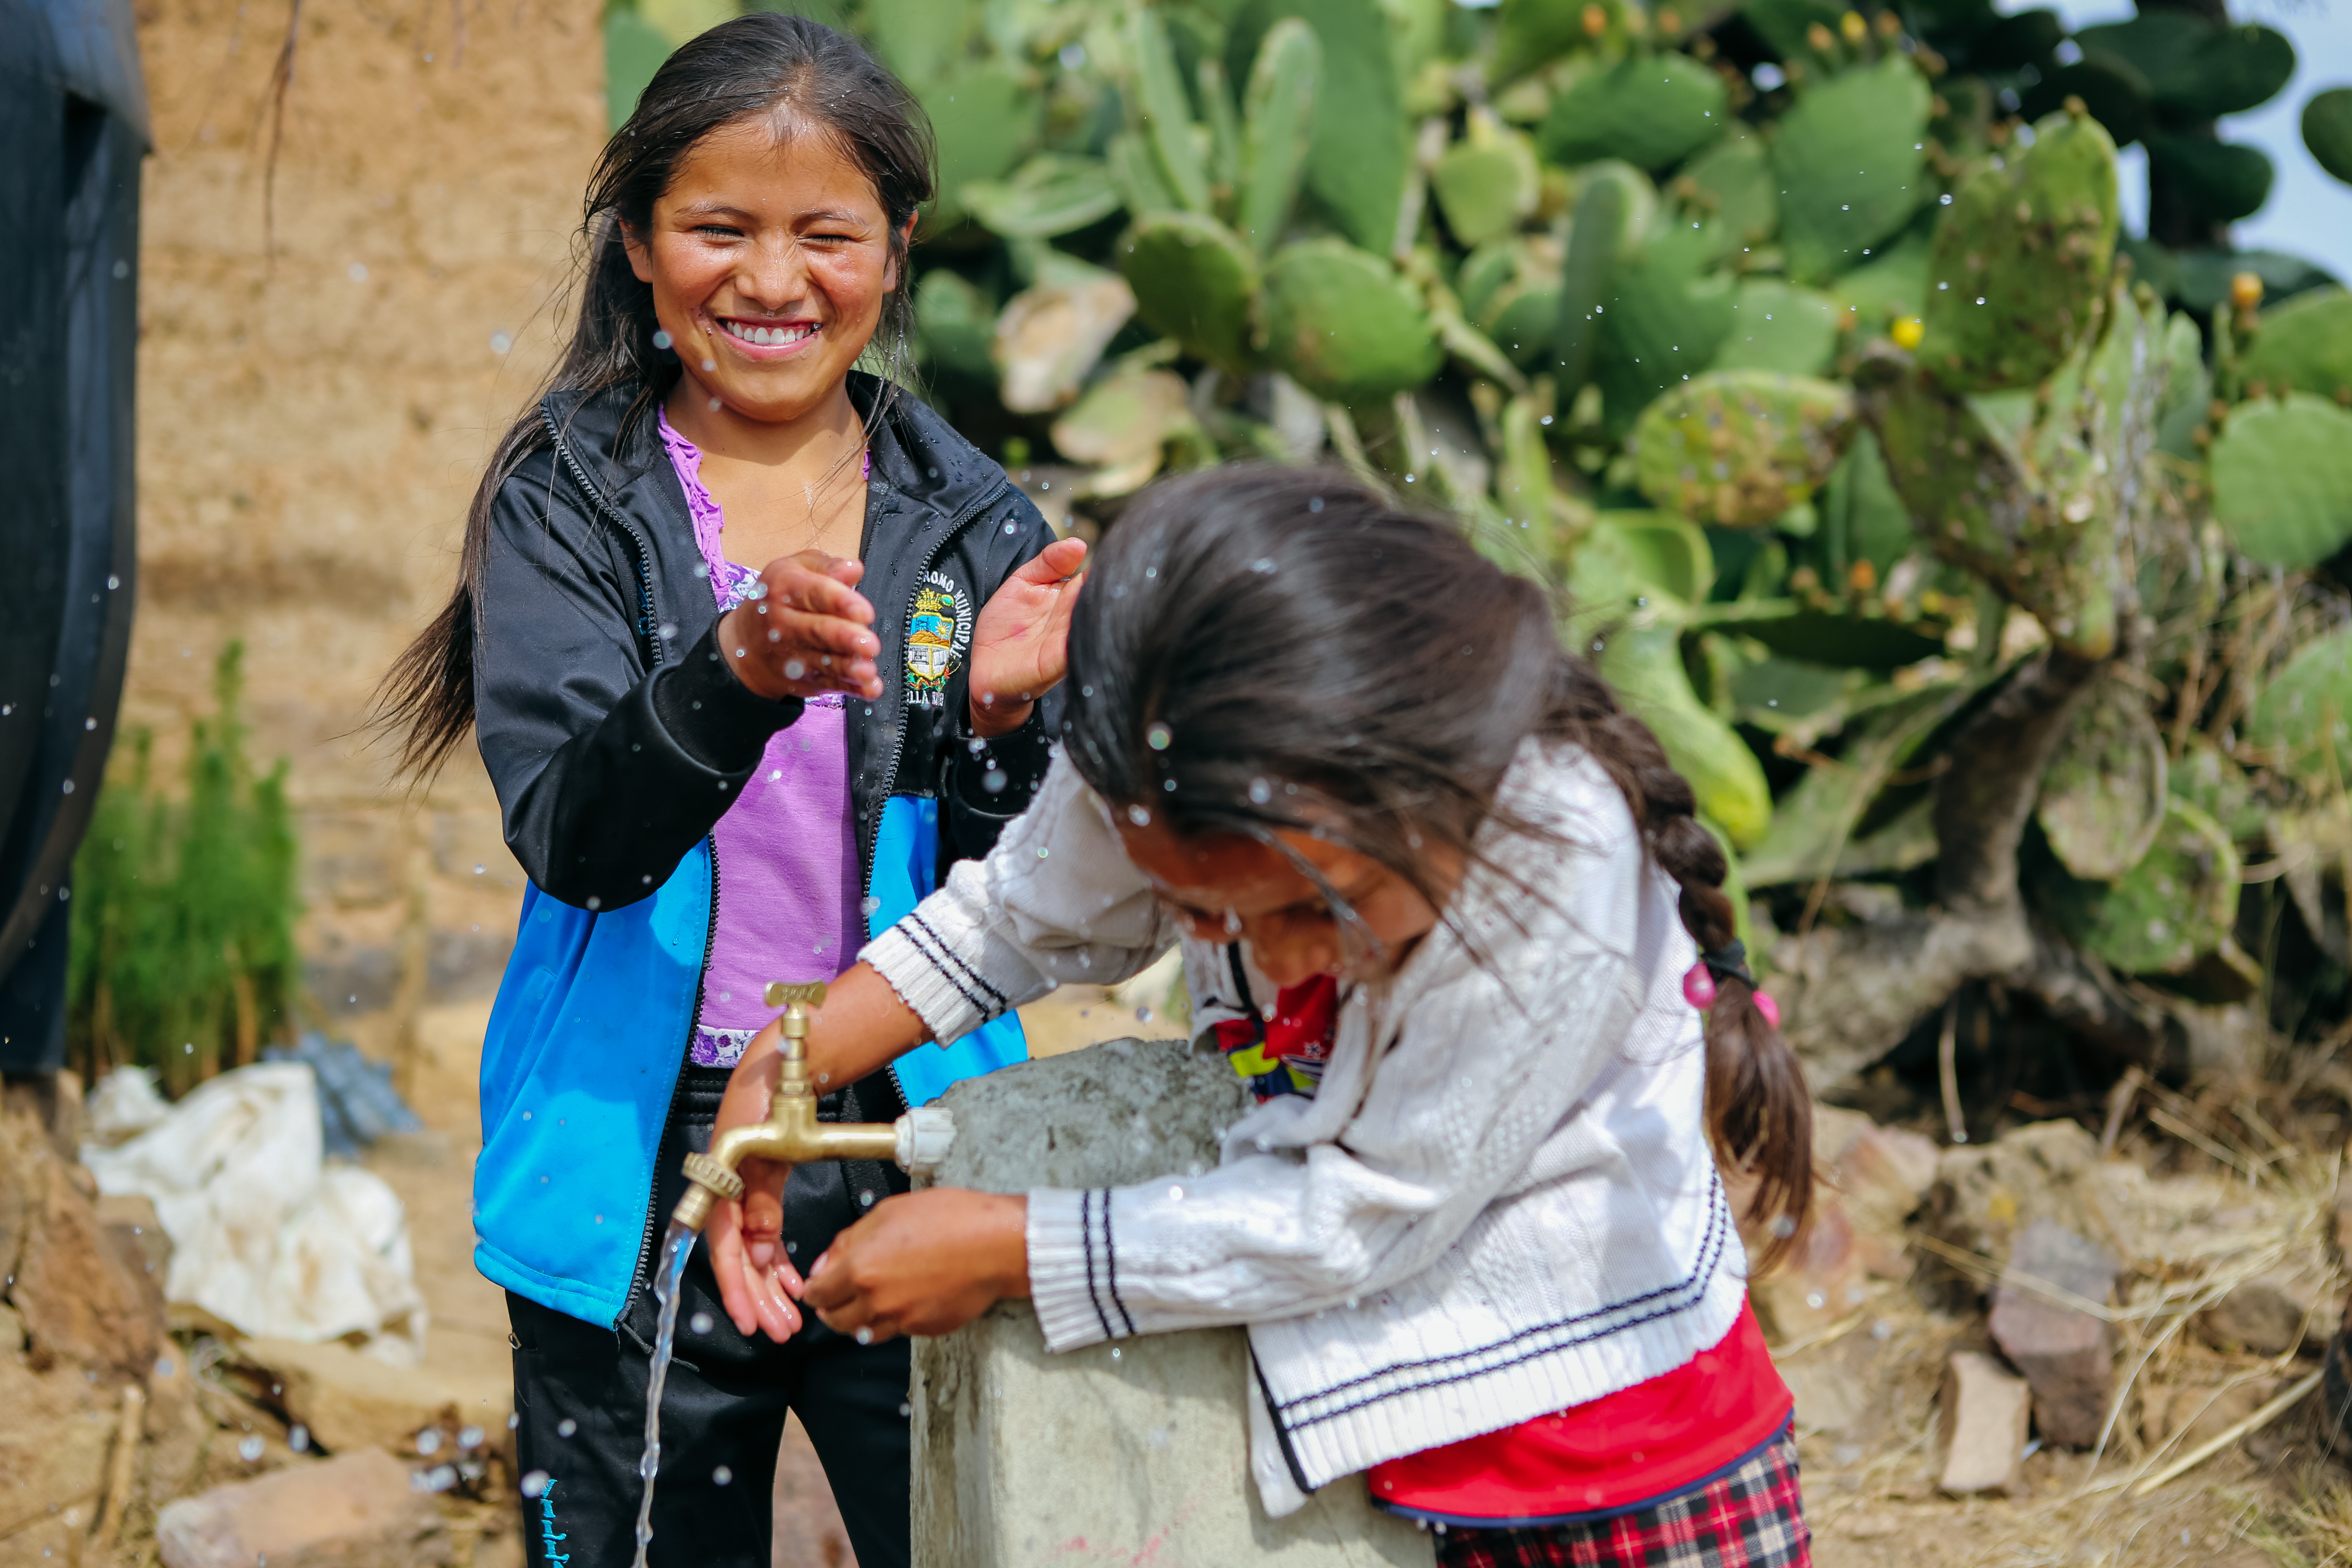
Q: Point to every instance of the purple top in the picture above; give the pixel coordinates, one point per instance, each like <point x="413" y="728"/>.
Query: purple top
<point x="784" y="857"/>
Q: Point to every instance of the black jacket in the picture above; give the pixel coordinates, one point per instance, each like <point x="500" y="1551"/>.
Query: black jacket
<point x="614" y="732"/>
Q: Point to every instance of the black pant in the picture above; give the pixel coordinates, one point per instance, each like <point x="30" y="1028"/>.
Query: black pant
<point x="580" y="1392"/>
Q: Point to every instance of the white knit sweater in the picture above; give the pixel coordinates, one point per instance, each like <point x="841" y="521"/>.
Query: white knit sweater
<point x="1499" y="1203"/>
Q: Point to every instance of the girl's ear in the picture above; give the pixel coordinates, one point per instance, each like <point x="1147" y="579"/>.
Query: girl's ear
<point x="890" y="272"/>
<point x="640" y="260"/>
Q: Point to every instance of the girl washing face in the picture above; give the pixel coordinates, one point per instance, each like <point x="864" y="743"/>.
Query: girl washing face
<point x="754" y="647"/>
<point x="1445" y="906"/>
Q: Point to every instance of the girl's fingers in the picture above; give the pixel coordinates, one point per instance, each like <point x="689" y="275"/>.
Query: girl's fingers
<point x="728" y="1266"/>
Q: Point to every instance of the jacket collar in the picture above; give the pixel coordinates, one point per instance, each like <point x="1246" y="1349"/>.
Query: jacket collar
<point x="916" y="452"/>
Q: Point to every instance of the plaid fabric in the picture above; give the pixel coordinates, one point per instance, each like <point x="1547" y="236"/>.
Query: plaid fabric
<point x="1753" y="1517"/>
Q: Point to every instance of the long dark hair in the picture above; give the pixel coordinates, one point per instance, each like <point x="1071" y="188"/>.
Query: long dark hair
<point x="796" y="72"/>
<point x="1294" y="652"/>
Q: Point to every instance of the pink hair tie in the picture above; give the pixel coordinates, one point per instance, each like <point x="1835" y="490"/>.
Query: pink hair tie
<point x="1698" y="987"/>
<point x="1769" y="1008"/>
<point x="1728" y="961"/>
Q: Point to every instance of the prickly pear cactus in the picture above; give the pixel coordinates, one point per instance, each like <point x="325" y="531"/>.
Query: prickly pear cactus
<point x="1651" y="109"/>
<point x="2104" y="794"/>
<point x="2304" y="715"/>
<point x="1739" y="447"/>
<point x="2021" y="260"/>
<point x="1195" y="280"/>
<point x="1280" y="110"/>
<point x="1850" y="157"/>
<point x="1487" y="183"/>
<point x="2178" y="902"/>
<point x="1641" y="655"/>
<point x="2304" y="345"/>
<point x="1780" y="326"/>
<point x="1667" y="316"/>
<point x="2281" y="477"/>
<point x="1343" y="325"/>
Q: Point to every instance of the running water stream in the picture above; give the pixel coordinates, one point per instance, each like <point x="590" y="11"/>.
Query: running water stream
<point x="676" y="1246"/>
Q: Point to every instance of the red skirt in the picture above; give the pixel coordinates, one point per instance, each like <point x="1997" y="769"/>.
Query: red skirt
<point x="1749" y="1517"/>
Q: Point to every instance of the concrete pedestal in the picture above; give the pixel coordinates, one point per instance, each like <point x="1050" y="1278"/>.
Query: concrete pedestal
<point x="1136" y="1452"/>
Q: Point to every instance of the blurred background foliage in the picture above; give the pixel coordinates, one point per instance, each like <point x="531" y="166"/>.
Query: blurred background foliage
<point x="184" y="902"/>
<point x="1977" y="562"/>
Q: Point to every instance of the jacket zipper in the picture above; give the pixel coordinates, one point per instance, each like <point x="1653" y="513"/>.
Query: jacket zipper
<point x="649" y="638"/>
<point x="898" y="739"/>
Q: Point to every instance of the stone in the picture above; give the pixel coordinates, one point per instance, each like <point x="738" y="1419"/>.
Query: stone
<point x="131" y="1217"/>
<point x="1819" y="1284"/>
<point x="1985" y="1194"/>
<point x="350" y="1400"/>
<point x="2195" y="1416"/>
<point x="1157" y="1427"/>
<point x="1986" y="1410"/>
<point x="2269" y="1314"/>
<point x="84" y="1291"/>
<point x="1873" y="1180"/>
<point x="56" y="1429"/>
<point x="356" y="1510"/>
<point x="2064" y="1351"/>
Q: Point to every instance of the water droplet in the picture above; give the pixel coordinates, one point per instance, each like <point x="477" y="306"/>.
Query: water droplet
<point x="1263" y="564"/>
<point x="1114" y="1353"/>
<point x="356" y="271"/>
<point x="864" y="1336"/>
<point x="565" y="1427"/>
<point x="470" y="1437"/>
<point x="994" y="781"/>
<point x="1157" y="736"/>
<point x="1143" y="1014"/>
<point x="721" y="1476"/>
<point x="663" y="339"/>
<point x="904" y="1409"/>
<point x="501" y="342"/>
<point x="1816" y="1301"/>
<point x="1783" y="1226"/>
<point x="700" y="1323"/>
<point x="249" y="1449"/>
<point x="1175" y="1194"/>
<point x="1041" y="852"/>
<point x="428" y="1441"/>
<point x="1260" y="792"/>
<point x="298" y="1438"/>
<point x="1140" y="814"/>
<point x="535" y="1482"/>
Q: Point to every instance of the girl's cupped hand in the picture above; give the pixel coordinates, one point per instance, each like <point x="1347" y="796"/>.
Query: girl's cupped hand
<point x="810" y="631"/>
<point x="757" y="1282"/>
<point x="922" y="1263"/>
<point x="1020" y="644"/>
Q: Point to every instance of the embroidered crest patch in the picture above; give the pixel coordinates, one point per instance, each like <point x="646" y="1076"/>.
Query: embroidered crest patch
<point x="938" y="631"/>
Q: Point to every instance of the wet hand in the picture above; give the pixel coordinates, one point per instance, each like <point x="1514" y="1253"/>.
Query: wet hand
<point x="925" y="1263"/>
<point x="1020" y="644"/>
<point x="757" y="1282"/>
<point x="808" y="631"/>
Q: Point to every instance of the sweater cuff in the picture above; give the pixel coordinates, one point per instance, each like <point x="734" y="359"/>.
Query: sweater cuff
<point x="715" y="719"/>
<point x="1073" y="1270"/>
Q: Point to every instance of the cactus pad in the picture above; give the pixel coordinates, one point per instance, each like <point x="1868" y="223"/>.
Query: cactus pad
<point x="1360" y="148"/>
<point x="1665" y="320"/>
<point x="1051" y="193"/>
<point x="1739" y="447"/>
<point x="2021" y="260"/>
<point x="2327" y="130"/>
<point x="2177" y="902"/>
<point x="2282" y="479"/>
<point x="2304" y="707"/>
<point x="1734" y="189"/>
<point x="1486" y="183"/>
<point x="2103" y="796"/>
<point x="1195" y="280"/>
<point x="1281" y="121"/>
<point x="2304" y="345"/>
<point x="1342" y="325"/>
<point x="1779" y="326"/>
<point x="1850" y="160"/>
<point x="1649" y="109"/>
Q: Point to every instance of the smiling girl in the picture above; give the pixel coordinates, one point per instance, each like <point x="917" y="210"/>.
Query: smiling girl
<point x="1445" y="906"/>
<point x="754" y="647"/>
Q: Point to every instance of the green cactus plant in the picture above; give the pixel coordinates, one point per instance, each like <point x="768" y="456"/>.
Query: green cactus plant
<point x="2304" y="716"/>
<point x="2103" y="796"/>
<point x="1360" y="150"/>
<point x="1195" y="280"/>
<point x="1850" y="157"/>
<point x="1737" y="449"/>
<point x="1052" y="193"/>
<point x="1611" y="211"/>
<point x="1342" y="325"/>
<point x="1651" y="109"/>
<point x="1487" y="183"/>
<point x="1280" y="130"/>
<point x="1733" y="186"/>
<point x="1166" y="111"/>
<point x="2282" y="476"/>
<point x="1666" y="317"/>
<point x="2176" y="903"/>
<point x="2021" y="260"/>
<point x="1780" y="327"/>
<point x="2304" y="345"/>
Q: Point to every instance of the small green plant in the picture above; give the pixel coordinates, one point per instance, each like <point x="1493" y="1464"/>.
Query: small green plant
<point x="183" y="910"/>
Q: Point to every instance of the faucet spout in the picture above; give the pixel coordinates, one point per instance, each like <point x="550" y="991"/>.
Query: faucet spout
<point x="791" y="1134"/>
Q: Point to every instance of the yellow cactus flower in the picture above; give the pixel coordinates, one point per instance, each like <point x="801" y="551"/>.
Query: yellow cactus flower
<point x="1908" y="331"/>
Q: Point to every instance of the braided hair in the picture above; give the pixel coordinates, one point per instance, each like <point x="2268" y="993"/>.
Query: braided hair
<point x="1260" y="648"/>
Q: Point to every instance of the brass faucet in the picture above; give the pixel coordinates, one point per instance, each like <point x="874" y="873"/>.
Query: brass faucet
<point x="791" y="1135"/>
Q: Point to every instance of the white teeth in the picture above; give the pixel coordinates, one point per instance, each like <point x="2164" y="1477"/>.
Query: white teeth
<point x="767" y="337"/>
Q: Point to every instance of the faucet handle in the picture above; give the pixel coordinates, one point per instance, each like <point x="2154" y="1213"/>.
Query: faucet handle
<point x="802" y="993"/>
<point x="707" y="1172"/>
<point x="925" y="1134"/>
